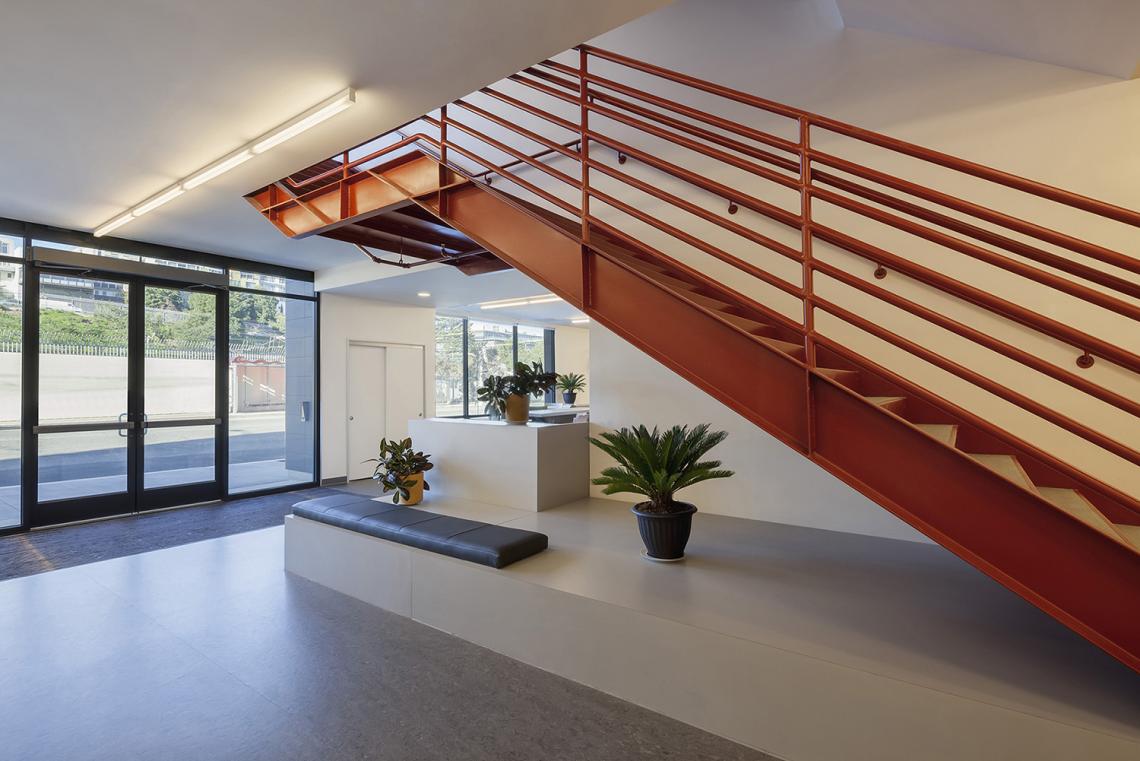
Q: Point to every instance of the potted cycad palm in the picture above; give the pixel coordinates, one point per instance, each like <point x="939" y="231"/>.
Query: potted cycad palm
<point x="571" y="384"/>
<point x="658" y="465"/>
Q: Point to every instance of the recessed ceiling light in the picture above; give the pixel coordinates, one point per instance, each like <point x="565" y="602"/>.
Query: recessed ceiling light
<point x="423" y="294"/>
<point x="290" y="129"/>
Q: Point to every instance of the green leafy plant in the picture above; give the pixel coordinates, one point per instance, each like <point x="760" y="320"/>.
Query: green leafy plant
<point x="658" y="465"/>
<point x="572" y="383"/>
<point x="493" y="393"/>
<point x="396" y="465"/>
<point x="530" y="380"/>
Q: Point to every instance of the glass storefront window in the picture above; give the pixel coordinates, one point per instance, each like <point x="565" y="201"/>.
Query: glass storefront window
<point x="11" y="245"/>
<point x="448" y="366"/>
<point x="271" y="379"/>
<point x="11" y="342"/>
<point x="258" y="281"/>
<point x="127" y="257"/>
<point x="491" y="349"/>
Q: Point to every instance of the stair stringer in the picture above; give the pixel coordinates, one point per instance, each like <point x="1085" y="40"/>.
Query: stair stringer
<point x="1074" y="573"/>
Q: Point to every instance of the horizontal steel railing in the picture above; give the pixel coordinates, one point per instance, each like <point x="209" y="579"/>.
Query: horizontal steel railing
<point x="797" y="166"/>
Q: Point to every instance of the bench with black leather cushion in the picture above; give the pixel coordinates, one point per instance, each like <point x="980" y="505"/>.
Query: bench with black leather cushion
<point x="484" y="543"/>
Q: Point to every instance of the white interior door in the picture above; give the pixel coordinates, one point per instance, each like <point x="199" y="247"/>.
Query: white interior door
<point x="405" y="384"/>
<point x="367" y="406"/>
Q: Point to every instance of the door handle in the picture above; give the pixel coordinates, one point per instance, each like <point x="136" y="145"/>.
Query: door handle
<point x="145" y="427"/>
<point x="350" y="417"/>
<point x="123" y="430"/>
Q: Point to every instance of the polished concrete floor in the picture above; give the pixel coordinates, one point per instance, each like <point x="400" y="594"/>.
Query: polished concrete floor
<point x="908" y="611"/>
<point x="210" y="651"/>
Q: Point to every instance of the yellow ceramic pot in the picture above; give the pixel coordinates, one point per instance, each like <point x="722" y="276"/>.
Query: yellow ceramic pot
<point x="518" y="409"/>
<point x="416" y="490"/>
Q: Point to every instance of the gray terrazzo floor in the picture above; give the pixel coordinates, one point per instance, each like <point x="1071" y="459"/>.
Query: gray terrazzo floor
<point x="211" y="651"/>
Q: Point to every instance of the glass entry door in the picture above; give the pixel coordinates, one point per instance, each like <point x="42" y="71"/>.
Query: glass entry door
<point x="180" y="424"/>
<point x="129" y="384"/>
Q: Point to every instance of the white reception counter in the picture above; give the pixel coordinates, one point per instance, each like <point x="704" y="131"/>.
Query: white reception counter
<point x="531" y="467"/>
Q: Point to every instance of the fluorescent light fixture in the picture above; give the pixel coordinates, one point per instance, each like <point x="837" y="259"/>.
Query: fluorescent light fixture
<point x="423" y="294"/>
<point x="307" y="120"/>
<point x="114" y="224"/>
<point x="158" y="200"/>
<point x="547" y="298"/>
<point x="580" y="321"/>
<point x="295" y="126"/>
<point x="220" y="168"/>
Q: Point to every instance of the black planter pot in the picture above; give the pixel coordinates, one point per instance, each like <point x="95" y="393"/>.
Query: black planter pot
<point x="569" y="396"/>
<point x="665" y="534"/>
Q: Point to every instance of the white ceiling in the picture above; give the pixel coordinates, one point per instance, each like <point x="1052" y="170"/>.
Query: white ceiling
<point x="453" y="292"/>
<point x="104" y="103"/>
<point x="1101" y="36"/>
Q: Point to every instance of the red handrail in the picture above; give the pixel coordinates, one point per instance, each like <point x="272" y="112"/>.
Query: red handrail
<point x="792" y="166"/>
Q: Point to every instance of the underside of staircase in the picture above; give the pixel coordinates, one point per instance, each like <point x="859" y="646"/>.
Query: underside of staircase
<point x="1062" y="539"/>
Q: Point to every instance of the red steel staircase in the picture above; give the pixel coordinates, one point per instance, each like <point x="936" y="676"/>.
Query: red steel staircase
<point x="1064" y="539"/>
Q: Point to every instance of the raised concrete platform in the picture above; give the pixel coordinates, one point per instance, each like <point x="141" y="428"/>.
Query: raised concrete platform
<point x="811" y="645"/>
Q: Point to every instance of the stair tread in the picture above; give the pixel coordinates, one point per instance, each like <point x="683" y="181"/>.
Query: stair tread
<point x="884" y="401"/>
<point x="947" y="433"/>
<point x="1131" y="534"/>
<point x="1007" y="466"/>
<point x="1071" y="501"/>
<point x="785" y="346"/>
<point x="705" y="301"/>
<point x="742" y="322"/>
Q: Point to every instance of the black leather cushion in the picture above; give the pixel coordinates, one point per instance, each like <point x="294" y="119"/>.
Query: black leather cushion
<point x="484" y="543"/>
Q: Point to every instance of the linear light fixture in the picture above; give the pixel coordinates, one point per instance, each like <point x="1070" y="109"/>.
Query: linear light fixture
<point x="311" y="118"/>
<point x="167" y="195"/>
<point x="326" y="109"/>
<point x="547" y="298"/>
<point x="580" y="321"/>
<point x="219" y="168"/>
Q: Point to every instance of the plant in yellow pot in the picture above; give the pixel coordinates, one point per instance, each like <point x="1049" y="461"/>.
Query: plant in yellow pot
<point x="400" y="469"/>
<point x="528" y="380"/>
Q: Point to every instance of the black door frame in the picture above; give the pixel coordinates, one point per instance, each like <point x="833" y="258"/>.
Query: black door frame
<point x="135" y="424"/>
<point x="29" y="233"/>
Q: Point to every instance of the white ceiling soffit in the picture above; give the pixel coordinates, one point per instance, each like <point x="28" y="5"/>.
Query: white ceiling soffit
<point x="452" y="291"/>
<point x="102" y="104"/>
<point x="1101" y="36"/>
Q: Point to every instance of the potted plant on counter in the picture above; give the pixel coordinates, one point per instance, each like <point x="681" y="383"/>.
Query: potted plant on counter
<point x="658" y="465"/>
<point x="400" y="469"/>
<point x="494" y="393"/>
<point x="571" y="384"/>
<point x="528" y="380"/>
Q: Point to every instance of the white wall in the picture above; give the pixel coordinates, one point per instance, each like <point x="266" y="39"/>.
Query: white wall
<point x="345" y="319"/>
<point x="572" y="355"/>
<point x="1072" y="129"/>
<point x="1064" y="127"/>
<point x="773" y="482"/>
